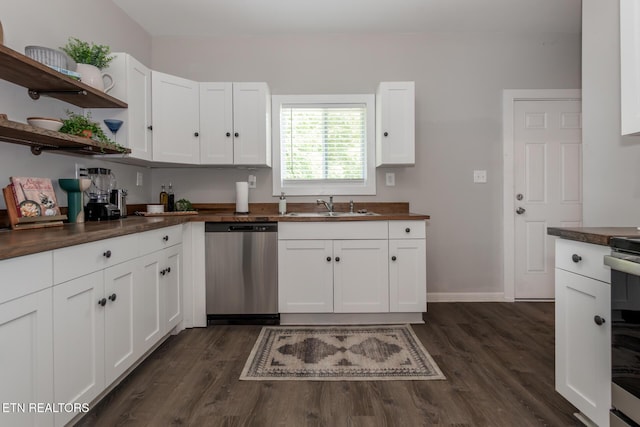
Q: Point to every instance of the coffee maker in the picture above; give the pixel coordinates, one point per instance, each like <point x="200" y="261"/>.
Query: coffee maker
<point x="99" y="207"/>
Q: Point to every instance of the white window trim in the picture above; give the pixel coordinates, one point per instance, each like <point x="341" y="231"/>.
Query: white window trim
<point x="304" y="189"/>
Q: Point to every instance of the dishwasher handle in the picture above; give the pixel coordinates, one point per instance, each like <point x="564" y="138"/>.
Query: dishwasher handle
<point x="234" y="227"/>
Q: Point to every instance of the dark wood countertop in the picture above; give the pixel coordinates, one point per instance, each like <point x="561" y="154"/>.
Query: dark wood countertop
<point x="26" y="242"/>
<point x="595" y="235"/>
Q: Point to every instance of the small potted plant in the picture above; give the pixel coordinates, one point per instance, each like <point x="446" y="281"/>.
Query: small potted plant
<point x="91" y="59"/>
<point x="80" y="125"/>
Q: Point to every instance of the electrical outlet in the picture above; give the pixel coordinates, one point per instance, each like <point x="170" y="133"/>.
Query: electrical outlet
<point x="81" y="171"/>
<point x="139" y="179"/>
<point x="480" y="176"/>
<point x="390" y="179"/>
<point x="252" y="181"/>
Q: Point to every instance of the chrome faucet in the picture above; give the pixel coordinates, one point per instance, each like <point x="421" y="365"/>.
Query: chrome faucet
<point x="328" y="205"/>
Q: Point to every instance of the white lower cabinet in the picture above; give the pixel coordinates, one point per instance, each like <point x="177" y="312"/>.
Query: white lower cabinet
<point x="305" y="276"/>
<point x="78" y="338"/>
<point x="352" y="267"/>
<point x="26" y="359"/>
<point x="360" y="276"/>
<point x="583" y="329"/>
<point x="172" y="280"/>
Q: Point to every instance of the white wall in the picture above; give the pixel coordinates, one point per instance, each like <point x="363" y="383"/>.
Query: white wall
<point x="55" y="20"/>
<point x="459" y="81"/>
<point x="611" y="162"/>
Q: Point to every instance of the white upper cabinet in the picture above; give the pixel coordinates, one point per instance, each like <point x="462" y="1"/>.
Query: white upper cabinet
<point x="176" y="122"/>
<point x="235" y="123"/>
<point x="630" y="67"/>
<point x="133" y="85"/>
<point x="395" y="124"/>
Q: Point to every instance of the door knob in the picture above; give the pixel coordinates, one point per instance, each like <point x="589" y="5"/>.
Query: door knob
<point x="520" y="210"/>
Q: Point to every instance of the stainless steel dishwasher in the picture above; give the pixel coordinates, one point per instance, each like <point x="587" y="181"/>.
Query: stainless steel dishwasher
<point x="241" y="272"/>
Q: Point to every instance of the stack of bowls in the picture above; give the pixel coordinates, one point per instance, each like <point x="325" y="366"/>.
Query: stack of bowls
<point x="51" y="57"/>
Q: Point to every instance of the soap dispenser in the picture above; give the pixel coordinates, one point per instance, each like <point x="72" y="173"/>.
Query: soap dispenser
<point x="282" y="205"/>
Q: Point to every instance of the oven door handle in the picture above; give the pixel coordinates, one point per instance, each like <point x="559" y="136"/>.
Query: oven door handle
<point x="622" y="265"/>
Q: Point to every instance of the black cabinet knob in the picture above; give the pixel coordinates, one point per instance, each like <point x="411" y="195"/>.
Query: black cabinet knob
<point x="599" y="320"/>
<point x="196" y="134"/>
<point x="165" y="238"/>
<point x="236" y="134"/>
<point x="168" y="269"/>
<point x="328" y="259"/>
<point x="112" y="297"/>
<point x="107" y="254"/>
<point x="163" y="272"/>
<point x="407" y="230"/>
<point x="386" y="134"/>
<point x="102" y="302"/>
<point x="576" y="258"/>
<point x="150" y="127"/>
<point x="393" y="258"/>
<point x="337" y="259"/>
<point x="228" y="134"/>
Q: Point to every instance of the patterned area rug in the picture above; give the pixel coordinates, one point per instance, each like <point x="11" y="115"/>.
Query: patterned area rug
<point x="339" y="353"/>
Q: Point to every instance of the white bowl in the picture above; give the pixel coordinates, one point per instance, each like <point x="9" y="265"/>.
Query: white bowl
<point x="155" y="208"/>
<point x="45" y="123"/>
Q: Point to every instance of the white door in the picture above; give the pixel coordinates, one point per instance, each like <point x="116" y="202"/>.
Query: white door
<point x="305" y="276"/>
<point x="547" y="188"/>
<point x="176" y="119"/>
<point x="407" y="275"/>
<point x="172" y="283"/>
<point x="361" y="276"/>
<point x="216" y="123"/>
<point x="149" y="303"/>
<point x="251" y="123"/>
<point x="139" y="111"/>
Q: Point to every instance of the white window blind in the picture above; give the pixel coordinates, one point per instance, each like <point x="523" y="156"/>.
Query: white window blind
<point x="323" y="142"/>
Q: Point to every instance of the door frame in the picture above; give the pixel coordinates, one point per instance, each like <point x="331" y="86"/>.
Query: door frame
<point x="509" y="98"/>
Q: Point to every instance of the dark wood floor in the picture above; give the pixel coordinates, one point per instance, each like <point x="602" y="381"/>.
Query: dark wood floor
<point x="498" y="359"/>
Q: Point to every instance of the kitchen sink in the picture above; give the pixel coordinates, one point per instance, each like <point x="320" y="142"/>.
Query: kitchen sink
<point x="330" y="214"/>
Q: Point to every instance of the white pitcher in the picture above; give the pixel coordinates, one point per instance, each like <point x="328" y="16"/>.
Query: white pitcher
<point x="92" y="76"/>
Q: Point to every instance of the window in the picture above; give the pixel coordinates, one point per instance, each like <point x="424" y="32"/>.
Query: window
<point x="323" y="144"/>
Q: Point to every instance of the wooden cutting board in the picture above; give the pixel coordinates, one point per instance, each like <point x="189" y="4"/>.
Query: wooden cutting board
<point x="176" y="213"/>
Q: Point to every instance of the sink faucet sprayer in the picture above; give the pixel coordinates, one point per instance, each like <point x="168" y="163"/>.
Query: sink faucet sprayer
<point x="328" y="205"/>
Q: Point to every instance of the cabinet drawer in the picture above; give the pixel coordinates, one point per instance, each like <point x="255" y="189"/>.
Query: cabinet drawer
<point x="333" y="230"/>
<point x="583" y="258"/>
<point x="154" y="240"/>
<point x="24" y="275"/>
<point x="407" y="230"/>
<point x="76" y="261"/>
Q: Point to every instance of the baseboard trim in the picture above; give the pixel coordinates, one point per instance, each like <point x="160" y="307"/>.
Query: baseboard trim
<point x="466" y="297"/>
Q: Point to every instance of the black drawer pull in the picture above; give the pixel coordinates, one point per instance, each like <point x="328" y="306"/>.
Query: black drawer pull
<point x="107" y="254"/>
<point x="165" y="238"/>
<point x="599" y="320"/>
<point x="407" y="230"/>
<point x="393" y="258"/>
<point x="576" y="258"/>
<point x="112" y="297"/>
<point x="102" y="302"/>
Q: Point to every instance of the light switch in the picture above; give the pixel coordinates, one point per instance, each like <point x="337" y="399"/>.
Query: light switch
<point x="390" y="178"/>
<point x="139" y="179"/>
<point x="252" y="181"/>
<point x="480" y="176"/>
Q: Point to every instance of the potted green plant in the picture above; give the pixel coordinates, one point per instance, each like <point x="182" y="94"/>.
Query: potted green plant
<point x="91" y="59"/>
<point x="81" y="125"/>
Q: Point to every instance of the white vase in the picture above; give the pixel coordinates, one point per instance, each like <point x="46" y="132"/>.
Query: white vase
<point x="92" y="76"/>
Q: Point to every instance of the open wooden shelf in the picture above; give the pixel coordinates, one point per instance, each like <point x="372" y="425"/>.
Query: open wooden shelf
<point x="46" y="140"/>
<point x="40" y="79"/>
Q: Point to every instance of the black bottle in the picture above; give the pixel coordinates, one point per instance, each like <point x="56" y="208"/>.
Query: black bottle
<point x="171" y="202"/>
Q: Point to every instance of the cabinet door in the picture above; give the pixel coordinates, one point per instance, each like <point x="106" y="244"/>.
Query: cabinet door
<point x="149" y="310"/>
<point x="583" y="348"/>
<point x="26" y="358"/>
<point x="119" y="283"/>
<point x="252" y="124"/>
<point x="175" y="110"/>
<point x="361" y="276"/>
<point x="216" y="123"/>
<point x="630" y="67"/>
<point x="138" y="120"/>
<point x="305" y="276"/>
<point x="78" y="341"/>
<point x="407" y="275"/>
<point x="172" y="284"/>
<point x="395" y="123"/>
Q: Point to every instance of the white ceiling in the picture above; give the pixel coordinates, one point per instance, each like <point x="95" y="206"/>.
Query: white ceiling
<point x="209" y="18"/>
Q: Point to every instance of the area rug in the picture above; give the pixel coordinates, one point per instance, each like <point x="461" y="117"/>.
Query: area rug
<point x="339" y="353"/>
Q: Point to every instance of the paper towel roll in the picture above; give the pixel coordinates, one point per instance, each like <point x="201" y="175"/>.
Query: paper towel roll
<point x="242" y="197"/>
